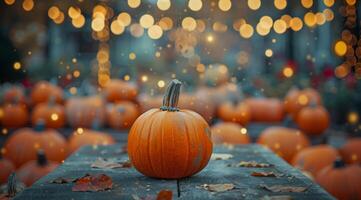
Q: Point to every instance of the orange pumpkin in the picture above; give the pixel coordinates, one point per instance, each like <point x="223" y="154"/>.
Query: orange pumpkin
<point x="7" y="167"/>
<point x="313" y="119"/>
<point x="43" y="91"/>
<point x="234" y="112"/>
<point x="122" y="115"/>
<point x="313" y="159"/>
<point x="230" y="133"/>
<point x="343" y="182"/>
<point x="14" y="115"/>
<point x="52" y="114"/>
<point x="285" y="142"/>
<point x="118" y="90"/>
<point x="351" y="151"/>
<point x="265" y="109"/>
<point x="14" y="94"/>
<point x="82" y="137"/>
<point x="296" y="99"/>
<point x="33" y="170"/>
<point x="23" y="144"/>
<point x="178" y="141"/>
<point x="85" y="111"/>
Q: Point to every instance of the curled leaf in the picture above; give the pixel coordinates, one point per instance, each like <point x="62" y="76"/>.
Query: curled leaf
<point x="165" y="195"/>
<point x="252" y="164"/>
<point x="265" y="174"/>
<point x="93" y="183"/>
<point x="218" y="187"/>
<point x="62" y="180"/>
<point x="283" y="188"/>
<point x="221" y="156"/>
<point x="109" y="164"/>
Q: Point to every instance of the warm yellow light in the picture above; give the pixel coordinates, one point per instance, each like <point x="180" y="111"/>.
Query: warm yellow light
<point x="60" y="18"/>
<point x="136" y="30"/>
<point x="201" y="25"/>
<point x="146" y="21"/>
<point x="254" y="4"/>
<point x="155" y="32"/>
<point x="134" y="3"/>
<point x="117" y="27"/>
<point x="103" y="79"/>
<point x="280" y="26"/>
<point x="340" y="48"/>
<point x="195" y="5"/>
<point x="341" y="71"/>
<point x="302" y="100"/>
<point x="307" y="3"/>
<point x="224" y="5"/>
<point x="320" y="18"/>
<point x="296" y="24"/>
<point x="189" y="23"/>
<point x="73" y="90"/>
<point x="280" y="4"/>
<point x="74" y="12"/>
<point x="161" y="83"/>
<point x="144" y="78"/>
<point x="163" y="4"/>
<point x="53" y="12"/>
<point x="9" y="2"/>
<point x="353" y="117"/>
<point x="262" y="29"/>
<point x="17" y="65"/>
<point x="268" y="53"/>
<point x="243" y="131"/>
<point x="166" y="23"/>
<point x="54" y="116"/>
<point x="266" y="22"/>
<point x="80" y="131"/>
<point x="126" y="77"/>
<point x="28" y="5"/>
<point x="78" y="22"/>
<point x="246" y="31"/>
<point x="124" y="18"/>
<point x="329" y="3"/>
<point x="351" y="2"/>
<point x="201" y="68"/>
<point x="132" y="56"/>
<point x="288" y="72"/>
<point x="219" y="27"/>
<point x="210" y="38"/>
<point x="98" y="24"/>
<point x="328" y="14"/>
<point x="310" y="19"/>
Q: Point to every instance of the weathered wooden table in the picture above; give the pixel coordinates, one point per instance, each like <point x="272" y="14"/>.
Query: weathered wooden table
<point x="129" y="184"/>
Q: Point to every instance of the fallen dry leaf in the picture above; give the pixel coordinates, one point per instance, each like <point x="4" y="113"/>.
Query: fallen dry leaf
<point x="93" y="183"/>
<point x="278" y="197"/>
<point x="109" y="164"/>
<point x="221" y="156"/>
<point x="265" y="174"/>
<point x="252" y="164"/>
<point x="218" y="187"/>
<point x="165" y="195"/>
<point x="282" y="188"/>
<point x="62" y="180"/>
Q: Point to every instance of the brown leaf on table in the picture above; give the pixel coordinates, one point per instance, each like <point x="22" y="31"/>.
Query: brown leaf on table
<point x="62" y="180"/>
<point x="221" y="156"/>
<point x="109" y="164"/>
<point x="93" y="183"/>
<point x="265" y="174"/>
<point x="278" y="197"/>
<point x="253" y="164"/>
<point x="218" y="187"/>
<point x="165" y="195"/>
<point x="282" y="188"/>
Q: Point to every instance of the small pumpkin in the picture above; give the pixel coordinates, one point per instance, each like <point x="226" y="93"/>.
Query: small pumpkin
<point x="122" y="115"/>
<point x="237" y="112"/>
<point x="13" y="94"/>
<point x="265" y="109"/>
<point x="351" y="151"/>
<point x="285" y="142"/>
<point x="52" y="114"/>
<point x="118" y="90"/>
<point x="179" y="141"/>
<point x="33" y="170"/>
<point x="14" y="115"/>
<point x="7" y="167"/>
<point x="84" y="111"/>
<point x="313" y="119"/>
<point x="343" y="182"/>
<point x="315" y="158"/>
<point x="82" y="137"/>
<point x="297" y="99"/>
<point x="230" y="133"/>
<point x="23" y="144"/>
<point x="43" y="91"/>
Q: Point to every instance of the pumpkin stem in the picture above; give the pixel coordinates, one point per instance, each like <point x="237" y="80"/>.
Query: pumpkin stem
<point x="174" y="96"/>
<point x="166" y="96"/>
<point x="338" y="163"/>
<point x="11" y="185"/>
<point x="41" y="160"/>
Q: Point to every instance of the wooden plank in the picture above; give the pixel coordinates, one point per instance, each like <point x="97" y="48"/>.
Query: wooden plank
<point x="247" y="186"/>
<point x="127" y="181"/>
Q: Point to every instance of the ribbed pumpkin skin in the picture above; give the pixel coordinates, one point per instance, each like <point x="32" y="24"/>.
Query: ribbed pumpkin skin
<point x="313" y="120"/>
<point x="229" y="133"/>
<point x="6" y="168"/>
<point x="285" y="142"/>
<point x="239" y="113"/>
<point x="351" y="151"/>
<point x="23" y="144"/>
<point x="31" y="171"/>
<point x="43" y="91"/>
<point x="122" y="115"/>
<point x="293" y="104"/>
<point x="265" y="109"/>
<point x="14" y="116"/>
<point x="118" y="90"/>
<point x="343" y="183"/>
<point x="315" y="158"/>
<point x="43" y="111"/>
<point x="169" y="145"/>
